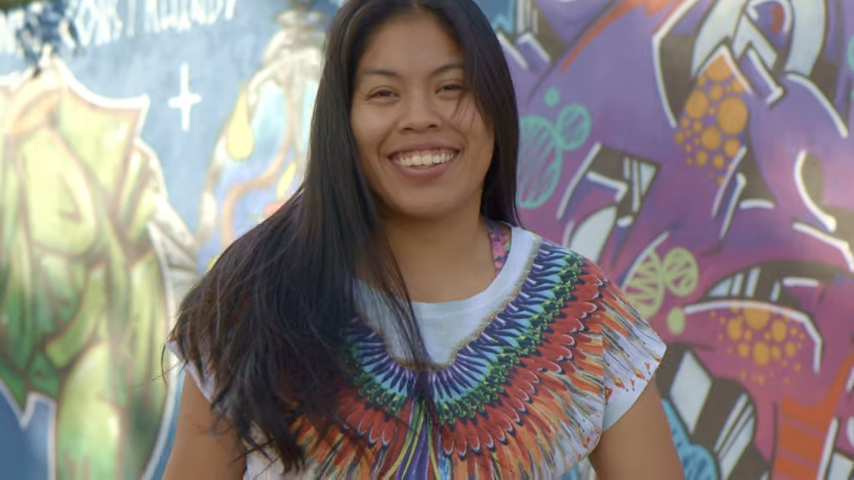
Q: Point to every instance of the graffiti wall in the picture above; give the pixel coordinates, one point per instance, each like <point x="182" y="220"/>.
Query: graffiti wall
<point x="699" y="150"/>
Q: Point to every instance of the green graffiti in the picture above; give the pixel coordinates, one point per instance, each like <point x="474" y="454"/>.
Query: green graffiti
<point x="645" y="288"/>
<point x="573" y="127"/>
<point x="552" y="97"/>
<point x="851" y="53"/>
<point x="653" y="278"/>
<point x="83" y="289"/>
<point x="676" y="321"/>
<point x="540" y="162"/>
<point x="542" y="148"/>
<point x="680" y="273"/>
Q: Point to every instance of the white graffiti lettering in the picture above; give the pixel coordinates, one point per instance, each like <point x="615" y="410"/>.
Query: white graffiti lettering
<point x="102" y="22"/>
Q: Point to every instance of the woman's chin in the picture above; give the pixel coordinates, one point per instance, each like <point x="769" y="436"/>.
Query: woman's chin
<point x="426" y="210"/>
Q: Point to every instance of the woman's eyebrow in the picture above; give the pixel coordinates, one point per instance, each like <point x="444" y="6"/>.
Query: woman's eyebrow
<point x="384" y="72"/>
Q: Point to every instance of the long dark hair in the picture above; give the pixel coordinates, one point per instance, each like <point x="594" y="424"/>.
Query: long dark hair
<point x="268" y="318"/>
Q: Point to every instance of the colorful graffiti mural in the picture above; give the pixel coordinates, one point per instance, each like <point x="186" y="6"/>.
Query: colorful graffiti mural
<point x="699" y="150"/>
<point x="93" y="260"/>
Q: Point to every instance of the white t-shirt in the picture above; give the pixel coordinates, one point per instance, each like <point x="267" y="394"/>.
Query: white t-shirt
<point x="528" y="374"/>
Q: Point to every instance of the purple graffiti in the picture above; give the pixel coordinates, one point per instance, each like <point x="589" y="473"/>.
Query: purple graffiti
<point x="710" y="174"/>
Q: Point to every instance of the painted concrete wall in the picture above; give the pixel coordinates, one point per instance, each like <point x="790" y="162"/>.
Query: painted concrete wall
<point x="698" y="149"/>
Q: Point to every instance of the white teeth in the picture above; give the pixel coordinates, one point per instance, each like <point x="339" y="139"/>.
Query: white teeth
<point x="426" y="160"/>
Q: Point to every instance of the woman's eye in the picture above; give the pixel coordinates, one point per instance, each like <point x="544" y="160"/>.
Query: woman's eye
<point x="451" y="87"/>
<point x="381" y="94"/>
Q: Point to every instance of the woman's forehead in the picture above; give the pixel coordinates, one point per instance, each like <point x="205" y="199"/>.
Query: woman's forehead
<point x="414" y="43"/>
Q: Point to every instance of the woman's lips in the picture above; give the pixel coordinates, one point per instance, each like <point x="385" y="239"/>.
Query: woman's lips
<point x="425" y="158"/>
<point x="425" y="164"/>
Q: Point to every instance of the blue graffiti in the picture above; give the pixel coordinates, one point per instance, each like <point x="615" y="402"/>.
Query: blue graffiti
<point x="697" y="461"/>
<point x="24" y="452"/>
<point x="44" y="28"/>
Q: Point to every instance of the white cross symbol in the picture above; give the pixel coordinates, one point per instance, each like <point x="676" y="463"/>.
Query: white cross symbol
<point x="185" y="100"/>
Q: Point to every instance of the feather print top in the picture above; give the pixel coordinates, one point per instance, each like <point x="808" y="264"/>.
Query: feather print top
<point x="527" y="375"/>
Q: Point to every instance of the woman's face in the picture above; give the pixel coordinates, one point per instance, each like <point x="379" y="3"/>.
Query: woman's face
<point x="423" y="145"/>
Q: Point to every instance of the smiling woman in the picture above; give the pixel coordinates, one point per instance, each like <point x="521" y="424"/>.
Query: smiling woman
<point x="423" y="144"/>
<point x="392" y="319"/>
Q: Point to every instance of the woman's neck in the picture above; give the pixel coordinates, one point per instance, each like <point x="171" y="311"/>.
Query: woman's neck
<point x="443" y="259"/>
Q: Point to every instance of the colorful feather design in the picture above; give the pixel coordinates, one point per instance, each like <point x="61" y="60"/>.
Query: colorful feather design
<point x="523" y="399"/>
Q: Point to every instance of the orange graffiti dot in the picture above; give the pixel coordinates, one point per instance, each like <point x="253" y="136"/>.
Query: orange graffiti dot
<point x="702" y="80"/>
<point x="720" y="180"/>
<point x="757" y="318"/>
<point x="776" y="353"/>
<point x="711" y="111"/>
<point x="697" y="126"/>
<point x="718" y="161"/>
<point x="689" y="161"/>
<point x="684" y="122"/>
<point x="733" y="330"/>
<point x="732" y="116"/>
<point x="737" y="86"/>
<point x="790" y="349"/>
<point x="680" y="138"/>
<point x="743" y="349"/>
<point x="716" y="92"/>
<point x="719" y="70"/>
<point x="696" y="141"/>
<point x="748" y="335"/>
<point x="702" y="158"/>
<point x="697" y="104"/>
<point x="797" y="367"/>
<point x="767" y="336"/>
<point x="778" y="330"/>
<point x="761" y="354"/>
<point x="731" y="147"/>
<point x="711" y="138"/>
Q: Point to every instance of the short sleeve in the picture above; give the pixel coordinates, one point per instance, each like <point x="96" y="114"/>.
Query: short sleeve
<point x="632" y="352"/>
<point x="204" y="380"/>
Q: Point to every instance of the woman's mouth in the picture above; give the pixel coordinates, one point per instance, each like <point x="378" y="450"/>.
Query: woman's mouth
<point x="424" y="159"/>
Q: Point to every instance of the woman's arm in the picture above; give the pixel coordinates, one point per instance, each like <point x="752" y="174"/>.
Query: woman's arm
<point x="639" y="445"/>
<point x="197" y="452"/>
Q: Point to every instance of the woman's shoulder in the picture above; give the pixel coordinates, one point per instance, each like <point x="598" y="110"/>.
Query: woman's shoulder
<point x="544" y="251"/>
<point x="576" y="289"/>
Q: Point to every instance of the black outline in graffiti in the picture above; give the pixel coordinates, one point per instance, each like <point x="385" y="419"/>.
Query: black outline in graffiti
<point x="630" y="189"/>
<point x="831" y="235"/>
